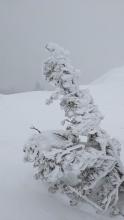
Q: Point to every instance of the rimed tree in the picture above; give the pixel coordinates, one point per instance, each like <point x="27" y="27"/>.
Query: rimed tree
<point x="81" y="160"/>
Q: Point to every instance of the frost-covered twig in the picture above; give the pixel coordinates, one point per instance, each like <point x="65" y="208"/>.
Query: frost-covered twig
<point x="36" y="129"/>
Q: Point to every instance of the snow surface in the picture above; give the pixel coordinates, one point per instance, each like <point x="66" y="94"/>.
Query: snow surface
<point x="21" y="196"/>
<point x="114" y="76"/>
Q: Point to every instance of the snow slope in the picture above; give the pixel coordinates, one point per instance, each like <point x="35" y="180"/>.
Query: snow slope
<point x="22" y="197"/>
<point x="114" y="76"/>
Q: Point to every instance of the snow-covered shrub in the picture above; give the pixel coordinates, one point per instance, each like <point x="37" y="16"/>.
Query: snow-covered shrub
<point x="88" y="170"/>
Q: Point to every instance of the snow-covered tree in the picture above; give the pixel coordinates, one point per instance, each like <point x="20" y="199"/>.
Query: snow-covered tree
<point x="81" y="160"/>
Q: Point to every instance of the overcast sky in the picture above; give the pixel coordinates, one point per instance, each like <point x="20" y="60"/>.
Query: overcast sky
<point x="93" y="31"/>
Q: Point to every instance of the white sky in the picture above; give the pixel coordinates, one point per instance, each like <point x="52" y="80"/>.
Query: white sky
<point x="93" y="30"/>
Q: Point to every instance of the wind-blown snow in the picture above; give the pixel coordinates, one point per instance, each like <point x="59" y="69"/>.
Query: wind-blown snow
<point x="22" y="197"/>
